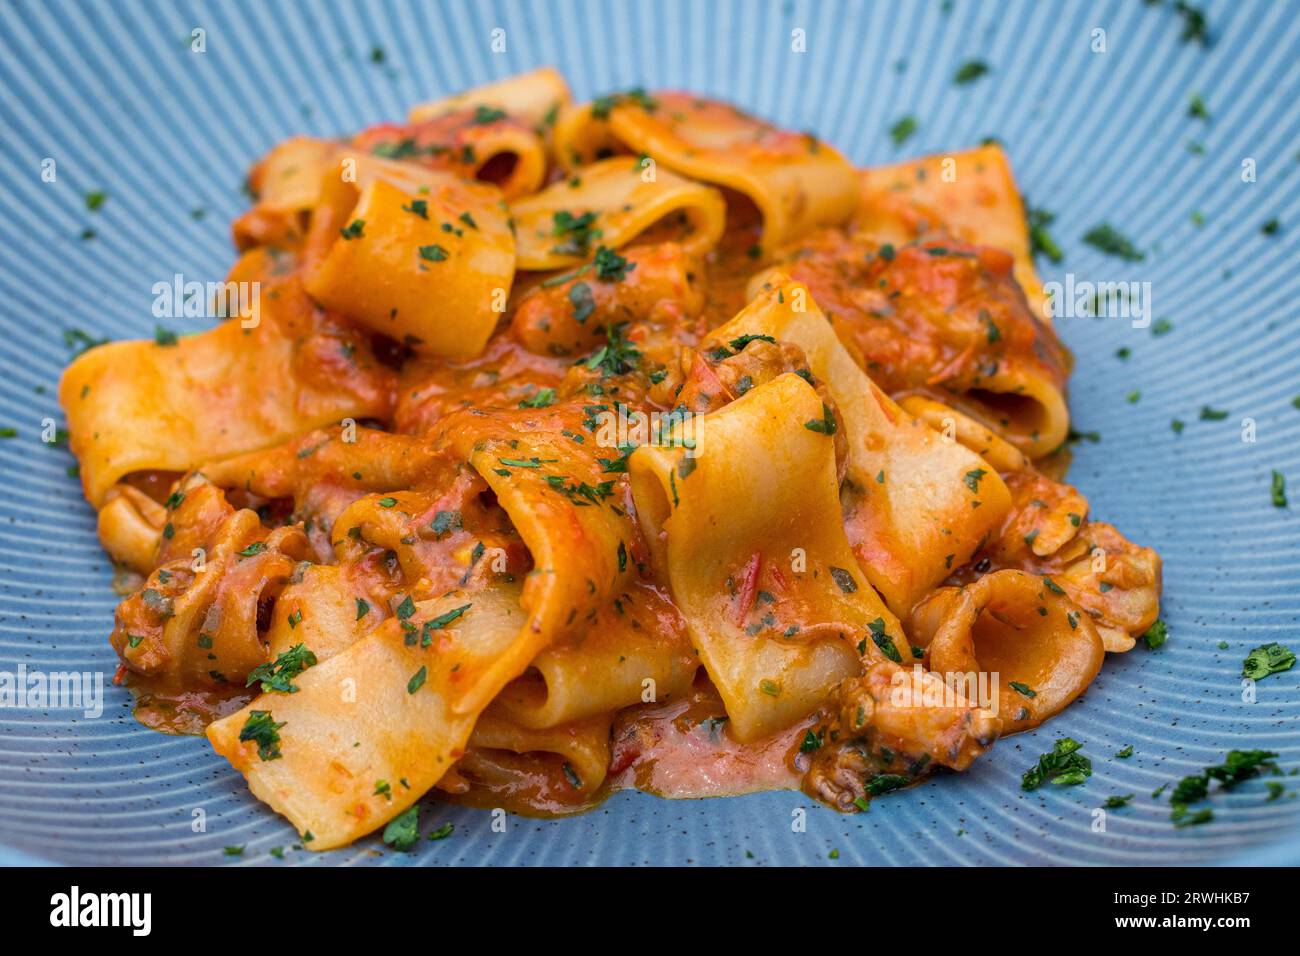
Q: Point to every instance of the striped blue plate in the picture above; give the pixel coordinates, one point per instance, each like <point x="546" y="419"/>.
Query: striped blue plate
<point x="115" y="96"/>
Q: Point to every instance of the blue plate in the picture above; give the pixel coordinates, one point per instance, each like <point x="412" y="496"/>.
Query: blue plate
<point x="115" y="96"/>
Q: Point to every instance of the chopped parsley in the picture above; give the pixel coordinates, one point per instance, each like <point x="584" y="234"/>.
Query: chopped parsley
<point x="444" y="522"/>
<point x="970" y="71"/>
<point x="811" y="742"/>
<point x="539" y="399"/>
<point x="278" y="675"/>
<point x="885" y="782"/>
<point x="617" y="356"/>
<point x="610" y="266"/>
<point x="417" y="680"/>
<point x="601" y="105"/>
<point x="583" y="302"/>
<point x="883" y="640"/>
<point x="903" y="130"/>
<point x="403" y="831"/>
<point x="1040" y="240"/>
<point x="1272" y="658"/>
<point x="442" y="620"/>
<point x="1278" y="489"/>
<point x="1106" y="238"/>
<point x="487" y="114"/>
<point x="844" y="579"/>
<point x="1196" y="28"/>
<point x="264" y="731"/>
<point x="577" y="231"/>
<point x="825" y="425"/>
<point x="80" y="341"/>
<point x="442" y="832"/>
<point x="1155" y="636"/>
<point x="1238" y="766"/>
<point x="1064" y="766"/>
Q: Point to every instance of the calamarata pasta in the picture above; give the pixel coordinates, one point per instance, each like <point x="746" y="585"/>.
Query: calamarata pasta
<point x="576" y="447"/>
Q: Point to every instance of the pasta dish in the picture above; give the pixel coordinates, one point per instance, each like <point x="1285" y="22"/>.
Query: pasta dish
<point x="576" y="447"/>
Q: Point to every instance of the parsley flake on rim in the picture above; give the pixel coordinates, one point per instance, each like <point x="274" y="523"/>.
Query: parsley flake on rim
<point x="1106" y="238"/>
<point x="902" y="130"/>
<point x="1064" y="766"/>
<point x="1271" y="658"/>
<point x="970" y="71"/>
<point x="403" y="831"/>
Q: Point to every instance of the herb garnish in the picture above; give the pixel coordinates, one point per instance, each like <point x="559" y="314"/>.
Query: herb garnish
<point x="264" y="731"/>
<point x="1064" y="766"/>
<point x="278" y="675"/>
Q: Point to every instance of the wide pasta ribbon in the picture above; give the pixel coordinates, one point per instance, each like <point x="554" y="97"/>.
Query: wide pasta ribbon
<point x="493" y="147"/>
<point x="610" y="203"/>
<point x="286" y="183"/>
<point x="420" y="687"/>
<point x="156" y="405"/>
<point x="750" y="538"/>
<point x="916" y="505"/>
<point x="635" y="651"/>
<point x="537" y="96"/>
<point x="796" y="181"/>
<point x="419" y="255"/>
<point x="372" y="728"/>
<point x="573" y="755"/>
<point x="565" y="508"/>
<point x="969" y="193"/>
